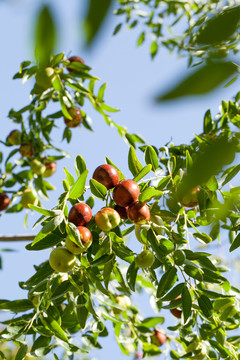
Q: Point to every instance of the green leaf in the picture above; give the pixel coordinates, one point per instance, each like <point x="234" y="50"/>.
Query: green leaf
<point x="143" y="172"/>
<point x="45" y="36"/>
<point x="98" y="189"/>
<point x="154" y="49"/>
<point x="46" y="242"/>
<point x="22" y="352"/>
<point x="151" y="157"/>
<point x="205" y="305"/>
<point x="117" y="29"/>
<point x="174" y="292"/>
<point x="208" y="162"/>
<point x="166" y="282"/>
<point x="186" y="304"/>
<point x="78" y="188"/>
<point x="201" y="81"/>
<point x="101" y="92"/>
<point x="40" y="346"/>
<point x="82" y="314"/>
<point x="149" y="193"/>
<point x="194" y="272"/>
<point x="152" y="321"/>
<point x="207" y="122"/>
<point x="220" y="27"/>
<point x="69" y="177"/>
<point x="80" y="165"/>
<point x="55" y="328"/>
<point x="236" y="243"/>
<point x="50" y="213"/>
<point x="133" y="164"/>
<point x="96" y="14"/>
<point x="16" y="305"/>
<point x="171" y="164"/>
<point x="132" y="275"/>
<point x="141" y="39"/>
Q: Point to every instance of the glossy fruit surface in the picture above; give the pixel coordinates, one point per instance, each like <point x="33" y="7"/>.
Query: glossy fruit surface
<point x="86" y="239"/>
<point x="107" y="175"/>
<point x="37" y="167"/>
<point x="4" y="201"/>
<point x="26" y="150"/>
<point x="138" y="213"/>
<point x="126" y="192"/>
<point x="14" y="138"/>
<point x="176" y="312"/>
<point x="191" y="198"/>
<point x="75" y="59"/>
<point x="158" y="338"/>
<point x="76" y="115"/>
<point x="144" y="259"/>
<point x="45" y="77"/>
<point x="28" y="198"/>
<point x="61" y="260"/>
<point x="107" y="219"/>
<point x="80" y="214"/>
<point x="122" y="211"/>
<point x="50" y="168"/>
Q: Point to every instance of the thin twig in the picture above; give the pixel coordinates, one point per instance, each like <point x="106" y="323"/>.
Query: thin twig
<point x="17" y="237"/>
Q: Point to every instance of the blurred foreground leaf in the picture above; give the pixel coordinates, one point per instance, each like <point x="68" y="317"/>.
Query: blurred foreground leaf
<point x="96" y="13"/>
<point x="201" y="81"/>
<point x="220" y="27"/>
<point x="45" y="36"/>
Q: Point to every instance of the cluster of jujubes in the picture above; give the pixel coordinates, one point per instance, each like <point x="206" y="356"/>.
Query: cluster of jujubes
<point x="125" y="196"/>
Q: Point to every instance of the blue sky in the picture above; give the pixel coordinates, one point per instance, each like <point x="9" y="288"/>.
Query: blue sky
<point x="133" y="80"/>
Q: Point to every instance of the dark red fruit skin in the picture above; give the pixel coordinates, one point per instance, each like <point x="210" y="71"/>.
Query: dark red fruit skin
<point x="80" y="214"/>
<point x="85" y="234"/>
<point x="139" y="355"/>
<point x="26" y="150"/>
<point x="4" y="201"/>
<point x="176" y="312"/>
<point x="122" y="211"/>
<point x="107" y="175"/>
<point x="126" y="192"/>
<point x="138" y="212"/>
<point x="76" y="117"/>
<point x="159" y="338"/>
<point x="75" y="59"/>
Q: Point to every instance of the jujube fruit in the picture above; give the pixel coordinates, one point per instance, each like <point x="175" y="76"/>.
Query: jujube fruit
<point x="190" y="199"/>
<point x="61" y="260"/>
<point x="37" y="167"/>
<point x="122" y="211"/>
<point x="26" y="150"/>
<point x="28" y="198"/>
<point x="107" y="219"/>
<point x="107" y="175"/>
<point x="138" y="213"/>
<point x="14" y="137"/>
<point x="126" y="192"/>
<point x="75" y="59"/>
<point x="176" y="312"/>
<point x="4" y="201"/>
<point x="145" y="259"/>
<point x="50" y="168"/>
<point x="76" y="116"/>
<point x="158" y="338"/>
<point x="80" y="214"/>
<point x="86" y="239"/>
